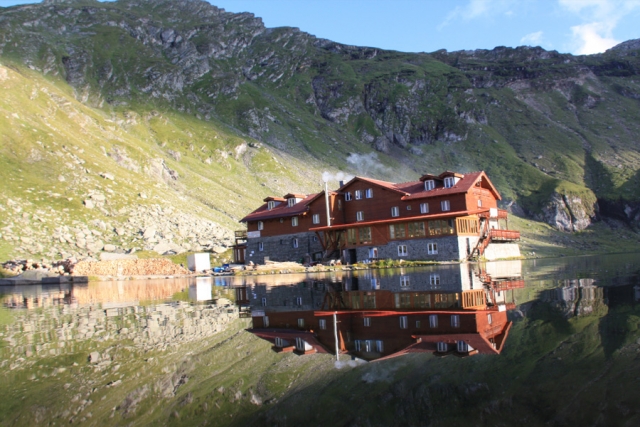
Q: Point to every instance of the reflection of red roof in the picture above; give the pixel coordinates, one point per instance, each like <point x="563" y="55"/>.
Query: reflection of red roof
<point x="280" y="211"/>
<point x="289" y="335"/>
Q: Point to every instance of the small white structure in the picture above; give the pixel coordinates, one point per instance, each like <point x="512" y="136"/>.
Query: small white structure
<point x="201" y="290"/>
<point x="199" y="262"/>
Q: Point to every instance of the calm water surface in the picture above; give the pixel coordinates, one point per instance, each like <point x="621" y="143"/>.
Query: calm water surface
<point x="96" y="336"/>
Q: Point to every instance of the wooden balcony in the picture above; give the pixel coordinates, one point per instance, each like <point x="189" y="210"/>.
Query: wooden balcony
<point x="504" y="235"/>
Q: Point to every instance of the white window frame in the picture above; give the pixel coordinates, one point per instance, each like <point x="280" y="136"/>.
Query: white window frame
<point x="368" y="193"/>
<point x="316" y="218"/>
<point x="433" y="321"/>
<point x="260" y="225"/>
<point x="358" y="194"/>
<point x="263" y="301"/>
<point x="429" y="185"/>
<point x="479" y="203"/>
<point x="445" y="205"/>
<point x="432" y="249"/>
<point x="358" y="345"/>
<point x="347" y="196"/>
<point x="291" y="202"/>
<point x="301" y="322"/>
<point x="379" y="346"/>
<point x="294" y="221"/>
<point x="434" y="279"/>
<point x="404" y="322"/>
<point x="489" y="319"/>
<point x="424" y="208"/>
<point x="449" y="182"/>
<point x="360" y="216"/>
<point x="403" y="250"/>
<point x="395" y="211"/>
<point x="404" y="281"/>
<point x="271" y="204"/>
<point x="295" y="243"/>
<point x="260" y="246"/>
<point x="322" y="324"/>
<point x="366" y="321"/>
<point x="455" y="320"/>
<point x="265" y="321"/>
<point x="442" y="347"/>
<point x="299" y="301"/>
<point x="462" y="347"/>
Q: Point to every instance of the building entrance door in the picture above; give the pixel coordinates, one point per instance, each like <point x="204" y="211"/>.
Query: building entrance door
<point x="353" y="257"/>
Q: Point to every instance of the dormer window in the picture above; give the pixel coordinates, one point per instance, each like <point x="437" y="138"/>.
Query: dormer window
<point x="429" y="184"/>
<point x="271" y="204"/>
<point x="358" y="194"/>
<point x="449" y="182"/>
<point x="291" y="202"/>
<point x="347" y="196"/>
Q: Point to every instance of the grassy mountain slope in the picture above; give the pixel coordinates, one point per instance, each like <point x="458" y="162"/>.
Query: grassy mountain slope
<point x="200" y="89"/>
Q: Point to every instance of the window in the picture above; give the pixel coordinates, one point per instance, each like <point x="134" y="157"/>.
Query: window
<point x="294" y="221"/>
<point x="365" y="234"/>
<point x="291" y="202"/>
<point x="322" y="323"/>
<point x="449" y="182"/>
<point x="441" y="226"/>
<point x="416" y="229"/>
<point x="418" y="324"/>
<point x="373" y="253"/>
<point x="263" y="302"/>
<point x="271" y="204"/>
<point x="424" y="208"/>
<point x="395" y="211"/>
<point x="445" y="205"/>
<point x="463" y="347"/>
<point x="369" y="193"/>
<point x="360" y="216"/>
<point x="367" y="346"/>
<point x="265" y="321"/>
<point x="351" y="236"/>
<point x="443" y="347"/>
<point x="429" y="184"/>
<point x="347" y="196"/>
<point x="295" y="243"/>
<point x="434" y="279"/>
<point x="260" y="246"/>
<point x="432" y="248"/>
<point x="397" y="231"/>
<point x="479" y="203"/>
<point x="260" y="225"/>
<point x="299" y="300"/>
<point x="402" y="250"/>
<point x="300" y="323"/>
<point x="281" y="343"/>
<point x="367" y="321"/>
<point x="433" y="321"/>
<point x="404" y="281"/>
<point x="358" y="345"/>
<point x="379" y="346"/>
<point x="404" y="322"/>
<point x="314" y="238"/>
<point x="374" y="283"/>
<point x="358" y="194"/>
<point x="455" y="320"/>
<point x="316" y="218"/>
<point x="489" y="319"/>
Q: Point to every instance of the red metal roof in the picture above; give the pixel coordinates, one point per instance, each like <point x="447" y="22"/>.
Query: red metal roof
<point x="464" y="185"/>
<point x="280" y="211"/>
<point x="384" y="184"/>
<point x="290" y="335"/>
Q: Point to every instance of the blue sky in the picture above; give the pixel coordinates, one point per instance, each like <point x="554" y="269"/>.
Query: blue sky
<point x="574" y="26"/>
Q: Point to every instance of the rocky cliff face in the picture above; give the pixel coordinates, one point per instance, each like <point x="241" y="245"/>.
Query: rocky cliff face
<point x="531" y="118"/>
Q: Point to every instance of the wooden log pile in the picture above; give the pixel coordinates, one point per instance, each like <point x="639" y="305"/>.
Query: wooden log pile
<point x="129" y="267"/>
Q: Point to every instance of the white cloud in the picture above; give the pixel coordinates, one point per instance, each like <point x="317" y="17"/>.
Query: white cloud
<point x="592" y="38"/>
<point x="600" y="18"/>
<point x="476" y="9"/>
<point x="532" y="39"/>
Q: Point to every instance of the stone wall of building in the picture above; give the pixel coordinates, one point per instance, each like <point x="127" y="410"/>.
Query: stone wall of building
<point x="450" y="248"/>
<point x="281" y="248"/>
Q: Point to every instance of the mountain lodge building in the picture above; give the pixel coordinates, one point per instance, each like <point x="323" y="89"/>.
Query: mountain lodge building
<point x="444" y="217"/>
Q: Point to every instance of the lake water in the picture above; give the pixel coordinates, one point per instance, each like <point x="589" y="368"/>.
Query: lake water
<point x="536" y="342"/>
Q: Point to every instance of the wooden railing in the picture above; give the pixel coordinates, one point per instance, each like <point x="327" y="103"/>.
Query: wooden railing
<point x="503" y="235"/>
<point x="241" y="234"/>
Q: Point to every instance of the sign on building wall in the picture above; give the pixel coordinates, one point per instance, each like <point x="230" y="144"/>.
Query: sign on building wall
<point x="253" y="234"/>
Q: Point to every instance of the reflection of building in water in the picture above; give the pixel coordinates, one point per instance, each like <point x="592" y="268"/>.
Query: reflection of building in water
<point x="578" y="297"/>
<point x="441" y="310"/>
